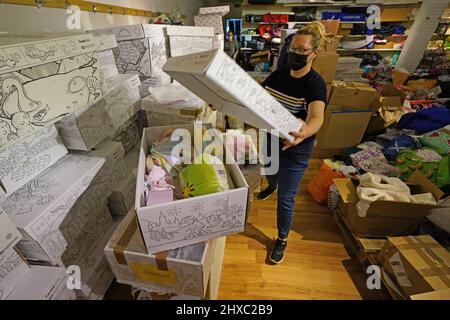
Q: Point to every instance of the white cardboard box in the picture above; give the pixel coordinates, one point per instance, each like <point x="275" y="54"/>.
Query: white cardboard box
<point x="98" y="284"/>
<point x="43" y="80"/>
<point x="41" y="283"/>
<point x="122" y="198"/>
<point x="77" y="250"/>
<point x="105" y="44"/>
<point x="38" y="208"/>
<point x="164" y="226"/>
<point x="180" y="271"/>
<point x="210" y="20"/>
<point x="12" y="268"/>
<point x="24" y="160"/>
<point x="220" y="81"/>
<point x="187" y="39"/>
<point x="122" y="98"/>
<point x="142" y="49"/>
<point x="89" y="204"/>
<point x="223" y="10"/>
<point x="218" y="42"/>
<point x="88" y="126"/>
<point x="92" y="258"/>
<point x="9" y="235"/>
<point x="174" y="100"/>
<point x="128" y="135"/>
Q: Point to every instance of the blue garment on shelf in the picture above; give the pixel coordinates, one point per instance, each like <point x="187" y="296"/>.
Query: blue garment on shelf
<point x="425" y="120"/>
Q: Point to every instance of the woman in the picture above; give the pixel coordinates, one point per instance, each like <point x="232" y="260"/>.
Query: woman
<point x="302" y="91"/>
<point x="231" y="45"/>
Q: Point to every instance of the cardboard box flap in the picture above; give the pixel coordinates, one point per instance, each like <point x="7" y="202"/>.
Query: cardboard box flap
<point x="347" y="190"/>
<point x="400" y="210"/>
<point x="425" y="184"/>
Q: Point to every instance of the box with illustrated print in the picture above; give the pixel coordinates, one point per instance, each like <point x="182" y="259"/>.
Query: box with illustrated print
<point x="87" y="127"/>
<point x="190" y="220"/>
<point x="220" y="81"/>
<point x="43" y="79"/>
<point x="9" y="235"/>
<point x="12" y="268"/>
<point x="43" y="283"/>
<point x="28" y="157"/>
<point x="142" y="49"/>
<point x="181" y="271"/>
<point x="222" y="10"/>
<point x="210" y="20"/>
<point x="105" y="45"/>
<point x="38" y="208"/>
<point x="93" y="200"/>
<point x="88" y="253"/>
<point x="187" y="39"/>
<point x="98" y="284"/>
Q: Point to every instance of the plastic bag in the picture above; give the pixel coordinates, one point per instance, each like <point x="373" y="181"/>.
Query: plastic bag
<point x="319" y="186"/>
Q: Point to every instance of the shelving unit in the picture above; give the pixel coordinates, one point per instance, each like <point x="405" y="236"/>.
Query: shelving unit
<point x="369" y="50"/>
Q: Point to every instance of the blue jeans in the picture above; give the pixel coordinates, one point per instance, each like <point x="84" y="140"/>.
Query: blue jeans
<point x="293" y="163"/>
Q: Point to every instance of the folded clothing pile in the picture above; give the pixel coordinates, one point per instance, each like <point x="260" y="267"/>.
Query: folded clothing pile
<point x="374" y="187"/>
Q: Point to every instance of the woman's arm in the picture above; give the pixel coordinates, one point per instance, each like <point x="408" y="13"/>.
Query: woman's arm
<point x="311" y="126"/>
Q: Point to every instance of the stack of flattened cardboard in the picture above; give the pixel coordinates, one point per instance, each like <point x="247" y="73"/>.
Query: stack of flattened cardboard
<point x="418" y="266"/>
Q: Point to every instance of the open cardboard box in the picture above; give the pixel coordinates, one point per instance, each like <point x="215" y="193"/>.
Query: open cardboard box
<point x="386" y="218"/>
<point x="187" y="221"/>
<point x="181" y="271"/>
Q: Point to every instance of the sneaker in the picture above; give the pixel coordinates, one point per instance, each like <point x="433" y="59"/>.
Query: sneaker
<point x="277" y="254"/>
<point x="263" y="195"/>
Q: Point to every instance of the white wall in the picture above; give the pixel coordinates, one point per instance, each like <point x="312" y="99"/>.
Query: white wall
<point x="25" y="19"/>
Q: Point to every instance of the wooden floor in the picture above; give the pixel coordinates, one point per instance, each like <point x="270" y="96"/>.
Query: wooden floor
<point x="316" y="265"/>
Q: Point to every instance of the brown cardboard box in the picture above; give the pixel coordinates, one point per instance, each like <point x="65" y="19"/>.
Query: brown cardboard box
<point x="399" y="77"/>
<point x="331" y="26"/>
<point x="418" y="264"/>
<point x="351" y="95"/>
<point x="340" y="131"/>
<point x="433" y="295"/>
<point x="325" y="64"/>
<point x="386" y="218"/>
<point x="422" y="83"/>
<point x="332" y="43"/>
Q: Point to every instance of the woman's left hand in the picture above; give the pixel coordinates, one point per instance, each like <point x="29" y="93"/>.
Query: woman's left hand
<point x="298" y="137"/>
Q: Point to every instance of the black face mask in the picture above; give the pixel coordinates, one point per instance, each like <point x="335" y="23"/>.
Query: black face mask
<point x="297" y="61"/>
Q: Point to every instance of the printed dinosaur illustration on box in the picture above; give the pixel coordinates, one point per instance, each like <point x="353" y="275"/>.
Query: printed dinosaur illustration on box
<point x="35" y="97"/>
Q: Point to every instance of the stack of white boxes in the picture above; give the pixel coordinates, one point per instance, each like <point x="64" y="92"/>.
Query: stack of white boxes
<point x="185" y="40"/>
<point x="142" y="50"/>
<point x="212" y="17"/>
<point x="57" y="200"/>
<point x="347" y="69"/>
